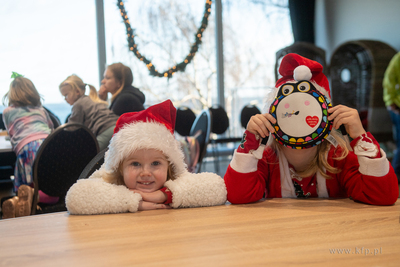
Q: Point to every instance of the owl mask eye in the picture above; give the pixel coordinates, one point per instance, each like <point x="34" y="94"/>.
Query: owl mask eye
<point x="304" y="87"/>
<point x="287" y="89"/>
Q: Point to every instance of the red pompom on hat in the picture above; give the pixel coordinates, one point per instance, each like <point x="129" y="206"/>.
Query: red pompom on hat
<point x="297" y="68"/>
<point x="152" y="128"/>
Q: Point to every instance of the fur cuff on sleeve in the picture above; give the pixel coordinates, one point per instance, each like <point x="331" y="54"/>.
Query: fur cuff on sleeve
<point x="374" y="167"/>
<point x="197" y="190"/>
<point x="95" y="196"/>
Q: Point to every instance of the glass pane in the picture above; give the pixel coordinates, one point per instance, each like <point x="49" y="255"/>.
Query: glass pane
<point x="46" y="41"/>
<point x="164" y="31"/>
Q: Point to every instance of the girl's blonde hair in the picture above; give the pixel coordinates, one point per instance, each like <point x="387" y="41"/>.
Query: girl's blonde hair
<point x="117" y="178"/>
<point x="77" y="83"/>
<point x="123" y="74"/>
<point x="320" y="161"/>
<point x="22" y="93"/>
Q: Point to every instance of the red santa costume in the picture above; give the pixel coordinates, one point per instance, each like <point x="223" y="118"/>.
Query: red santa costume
<point x="365" y="173"/>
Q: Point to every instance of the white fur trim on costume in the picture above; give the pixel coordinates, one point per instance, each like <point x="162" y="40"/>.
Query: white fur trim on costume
<point x="95" y="196"/>
<point x="287" y="187"/>
<point x="302" y="73"/>
<point x="144" y="135"/>
<point x="197" y="190"/>
<point x="322" y="191"/>
<point x="374" y="167"/>
<point x="243" y="162"/>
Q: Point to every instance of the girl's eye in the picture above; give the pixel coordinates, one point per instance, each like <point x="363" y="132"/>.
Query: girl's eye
<point x="135" y="163"/>
<point x="287" y="89"/>
<point x="156" y="163"/>
<point x="303" y="87"/>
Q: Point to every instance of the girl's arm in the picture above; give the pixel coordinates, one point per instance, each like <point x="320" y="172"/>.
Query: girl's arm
<point x="95" y="196"/>
<point x="245" y="176"/>
<point x="366" y="174"/>
<point x="197" y="190"/>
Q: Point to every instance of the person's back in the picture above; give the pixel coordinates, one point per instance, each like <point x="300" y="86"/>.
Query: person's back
<point x="89" y="110"/>
<point x="28" y="124"/>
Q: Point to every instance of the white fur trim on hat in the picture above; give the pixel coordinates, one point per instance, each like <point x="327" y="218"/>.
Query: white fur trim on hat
<point x="144" y="135"/>
<point x="302" y="73"/>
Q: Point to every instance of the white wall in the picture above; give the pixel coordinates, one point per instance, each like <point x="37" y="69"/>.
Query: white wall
<point x="339" y="21"/>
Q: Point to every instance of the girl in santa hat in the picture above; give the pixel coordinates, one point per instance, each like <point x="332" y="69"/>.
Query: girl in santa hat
<point x="304" y="157"/>
<point x="144" y="169"/>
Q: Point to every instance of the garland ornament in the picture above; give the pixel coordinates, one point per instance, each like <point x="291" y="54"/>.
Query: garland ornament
<point x="178" y="67"/>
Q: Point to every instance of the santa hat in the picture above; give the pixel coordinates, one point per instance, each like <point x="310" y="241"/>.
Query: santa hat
<point x="152" y="128"/>
<point x="295" y="68"/>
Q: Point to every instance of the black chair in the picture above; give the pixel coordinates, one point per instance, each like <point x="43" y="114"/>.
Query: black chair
<point x="2" y="126"/>
<point x="59" y="162"/>
<point x="201" y="130"/>
<point x="184" y="120"/>
<point x="93" y="165"/>
<point x="56" y="121"/>
<point x="220" y="123"/>
<point x="247" y="112"/>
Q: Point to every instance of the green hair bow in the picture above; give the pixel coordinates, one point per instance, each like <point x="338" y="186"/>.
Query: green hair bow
<point x="15" y="75"/>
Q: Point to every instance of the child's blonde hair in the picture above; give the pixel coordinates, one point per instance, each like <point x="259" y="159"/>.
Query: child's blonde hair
<point x="22" y="93"/>
<point x="320" y="161"/>
<point x="123" y="74"/>
<point x="117" y="178"/>
<point x="77" y="83"/>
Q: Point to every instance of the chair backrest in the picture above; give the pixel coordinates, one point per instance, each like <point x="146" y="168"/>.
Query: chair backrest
<point x="220" y="120"/>
<point x="2" y="126"/>
<point x="246" y="113"/>
<point x="56" y="121"/>
<point x="201" y="130"/>
<point x="93" y="165"/>
<point x="184" y="120"/>
<point x="61" y="158"/>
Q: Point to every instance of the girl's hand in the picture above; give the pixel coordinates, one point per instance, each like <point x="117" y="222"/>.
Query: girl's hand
<point x="145" y="205"/>
<point x="261" y="124"/>
<point x="349" y="117"/>
<point x="103" y="93"/>
<point x="153" y="197"/>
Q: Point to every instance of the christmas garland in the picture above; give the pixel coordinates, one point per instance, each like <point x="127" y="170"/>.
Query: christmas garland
<point x="178" y="67"/>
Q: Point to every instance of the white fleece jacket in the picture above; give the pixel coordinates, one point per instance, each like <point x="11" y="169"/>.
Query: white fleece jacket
<point x="95" y="196"/>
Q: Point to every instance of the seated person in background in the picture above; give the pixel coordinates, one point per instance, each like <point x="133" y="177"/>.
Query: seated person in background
<point x="308" y="166"/>
<point x="27" y="124"/>
<point x="118" y="80"/>
<point x="144" y="169"/>
<point x="90" y="110"/>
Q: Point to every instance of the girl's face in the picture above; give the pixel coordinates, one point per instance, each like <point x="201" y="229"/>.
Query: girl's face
<point x="145" y="170"/>
<point x="109" y="82"/>
<point x="70" y="95"/>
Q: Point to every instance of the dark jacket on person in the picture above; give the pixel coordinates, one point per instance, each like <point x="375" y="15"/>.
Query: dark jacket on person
<point x="130" y="99"/>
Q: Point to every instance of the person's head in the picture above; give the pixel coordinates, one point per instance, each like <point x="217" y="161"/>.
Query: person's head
<point x="143" y="148"/>
<point x="22" y="93"/>
<point x="300" y="107"/>
<point x="73" y="87"/>
<point x="116" y="77"/>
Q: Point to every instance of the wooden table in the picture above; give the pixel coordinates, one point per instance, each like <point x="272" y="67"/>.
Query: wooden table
<point x="275" y="232"/>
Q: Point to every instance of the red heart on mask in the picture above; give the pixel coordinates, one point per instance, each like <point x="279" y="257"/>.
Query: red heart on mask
<point x="312" y="121"/>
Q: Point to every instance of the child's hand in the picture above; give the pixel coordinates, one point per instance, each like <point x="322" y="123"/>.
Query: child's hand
<point x="154" y="197"/>
<point x="261" y="124"/>
<point x="145" y="205"/>
<point x="349" y="117"/>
